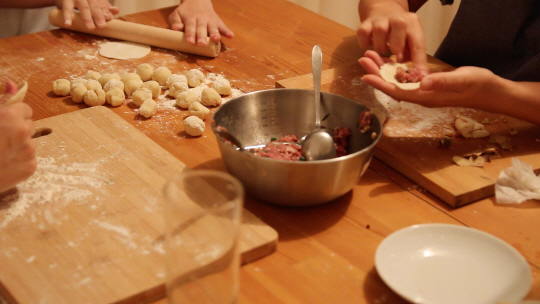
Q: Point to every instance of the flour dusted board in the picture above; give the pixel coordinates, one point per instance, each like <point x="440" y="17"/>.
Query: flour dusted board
<point x="87" y="227"/>
<point x="412" y="133"/>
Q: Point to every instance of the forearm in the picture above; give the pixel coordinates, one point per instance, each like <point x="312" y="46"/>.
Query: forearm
<point x="26" y="4"/>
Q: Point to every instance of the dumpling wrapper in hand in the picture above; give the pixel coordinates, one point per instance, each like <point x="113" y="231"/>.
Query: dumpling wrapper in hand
<point x="388" y="73"/>
<point x="19" y="96"/>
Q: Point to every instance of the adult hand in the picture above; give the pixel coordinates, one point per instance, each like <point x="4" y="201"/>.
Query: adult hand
<point x="17" y="149"/>
<point x="93" y="12"/>
<point x="198" y="20"/>
<point x="390" y="27"/>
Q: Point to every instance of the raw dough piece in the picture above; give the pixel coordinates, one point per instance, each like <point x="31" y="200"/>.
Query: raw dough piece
<point x="61" y="87"/>
<point x="153" y="86"/>
<point x="194" y="77"/>
<point x="77" y="92"/>
<point x="113" y="83"/>
<point x="210" y="98"/>
<point x="115" y="96"/>
<point x="148" y="108"/>
<point x="186" y="98"/>
<point x="105" y="78"/>
<point x="197" y="109"/>
<point x="94" y="97"/>
<point x="177" y="88"/>
<point x="140" y="95"/>
<point x="175" y="78"/>
<point x="194" y="126"/>
<point x="78" y="80"/>
<point x="470" y="128"/>
<point x="161" y="75"/>
<point x="222" y="86"/>
<point x="388" y="73"/>
<point x="22" y="87"/>
<point x="92" y="75"/>
<point x="132" y="85"/>
<point x="129" y="76"/>
<point x="123" y="50"/>
<point x="92" y="84"/>
<point x="145" y="71"/>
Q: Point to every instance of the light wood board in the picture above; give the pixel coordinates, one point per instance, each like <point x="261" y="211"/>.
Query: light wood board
<point x="87" y="227"/>
<point x="410" y="143"/>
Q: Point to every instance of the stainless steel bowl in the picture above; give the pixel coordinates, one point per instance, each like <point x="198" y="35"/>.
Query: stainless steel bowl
<point x="258" y="117"/>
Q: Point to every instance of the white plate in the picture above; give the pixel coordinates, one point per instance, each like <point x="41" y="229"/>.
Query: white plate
<point x="441" y="263"/>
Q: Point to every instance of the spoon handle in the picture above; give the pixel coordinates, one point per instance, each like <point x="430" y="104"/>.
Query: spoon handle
<point x="316" y="65"/>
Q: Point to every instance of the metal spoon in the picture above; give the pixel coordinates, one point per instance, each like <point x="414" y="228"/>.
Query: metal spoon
<point x="318" y="144"/>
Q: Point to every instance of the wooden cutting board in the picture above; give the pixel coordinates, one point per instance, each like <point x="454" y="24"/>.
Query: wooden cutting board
<point x="410" y="143"/>
<point x="87" y="227"/>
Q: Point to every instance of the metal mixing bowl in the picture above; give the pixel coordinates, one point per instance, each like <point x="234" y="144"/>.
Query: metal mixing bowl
<point x="258" y="117"/>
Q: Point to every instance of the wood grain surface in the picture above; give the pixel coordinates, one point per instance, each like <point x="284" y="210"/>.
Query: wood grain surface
<point x="325" y="253"/>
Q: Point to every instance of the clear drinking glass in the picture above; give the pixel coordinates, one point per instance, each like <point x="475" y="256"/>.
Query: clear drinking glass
<point x="203" y="211"/>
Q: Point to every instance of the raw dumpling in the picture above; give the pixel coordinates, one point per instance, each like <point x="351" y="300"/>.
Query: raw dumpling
<point x="388" y="72"/>
<point x="115" y="96"/>
<point x="77" y="92"/>
<point x="194" y="126"/>
<point x="92" y="75"/>
<point x="92" y="84"/>
<point x="94" y="97"/>
<point x="61" y="87"/>
<point x="194" y="77"/>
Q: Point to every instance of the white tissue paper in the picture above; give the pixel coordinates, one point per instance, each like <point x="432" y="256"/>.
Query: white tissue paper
<point x="517" y="184"/>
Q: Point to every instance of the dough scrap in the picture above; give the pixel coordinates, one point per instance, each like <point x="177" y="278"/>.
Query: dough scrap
<point x="176" y="88"/>
<point x="194" y="126"/>
<point x="145" y="70"/>
<point x="388" y="73"/>
<point x="105" y="78"/>
<point x="115" y="96"/>
<point x="153" y="86"/>
<point x="113" y="83"/>
<point x="140" y="95"/>
<point x="186" y="98"/>
<point x="470" y="128"/>
<point x="197" y="109"/>
<point x="148" y="108"/>
<point x="175" y="78"/>
<point x="222" y="86"/>
<point x="161" y="75"/>
<point x="94" y="97"/>
<point x="210" y="98"/>
<point x="123" y="50"/>
<point x="132" y="85"/>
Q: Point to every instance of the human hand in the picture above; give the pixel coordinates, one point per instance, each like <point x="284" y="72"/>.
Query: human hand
<point x="93" y="12"/>
<point x="17" y="149"/>
<point x="198" y="20"/>
<point x="391" y="27"/>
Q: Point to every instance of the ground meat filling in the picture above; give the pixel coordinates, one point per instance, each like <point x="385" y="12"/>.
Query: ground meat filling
<point x="410" y="75"/>
<point x="340" y="139"/>
<point x="284" y="148"/>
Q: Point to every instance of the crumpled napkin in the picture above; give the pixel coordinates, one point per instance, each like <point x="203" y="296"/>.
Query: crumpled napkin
<point x="517" y="184"/>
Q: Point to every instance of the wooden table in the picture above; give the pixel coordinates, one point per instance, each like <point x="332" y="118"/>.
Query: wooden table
<point x="325" y="253"/>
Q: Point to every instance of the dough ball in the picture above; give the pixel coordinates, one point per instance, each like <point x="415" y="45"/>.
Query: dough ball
<point x="222" y="86"/>
<point x="186" y="98"/>
<point x="175" y="78"/>
<point x="194" y="126"/>
<point x="105" y="78"/>
<point x="92" y="75"/>
<point x="61" y="87"/>
<point x="177" y="88"/>
<point x="148" y="108"/>
<point x="197" y="109"/>
<point x="92" y="84"/>
<point x="210" y="98"/>
<point x="77" y="92"/>
<point x="113" y="83"/>
<point x="145" y="71"/>
<point x="115" y="96"/>
<point x="129" y="76"/>
<point x="132" y="85"/>
<point x="94" y="97"/>
<point x="78" y="80"/>
<point x="153" y="86"/>
<point x="194" y="77"/>
<point x="140" y="95"/>
<point x="161" y="75"/>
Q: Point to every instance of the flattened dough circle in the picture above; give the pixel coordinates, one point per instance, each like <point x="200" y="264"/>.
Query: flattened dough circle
<point x="388" y="73"/>
<point x="123" y="50"/>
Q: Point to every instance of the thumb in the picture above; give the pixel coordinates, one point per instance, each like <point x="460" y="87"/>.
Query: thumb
<point x="442" y="82"/>
<point x="11" y="89"/>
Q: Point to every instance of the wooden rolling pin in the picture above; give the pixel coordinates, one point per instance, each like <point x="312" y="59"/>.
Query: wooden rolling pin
<point x="144" y="34"/>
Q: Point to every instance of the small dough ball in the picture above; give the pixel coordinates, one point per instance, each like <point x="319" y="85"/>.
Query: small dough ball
<point x="92" y="84"/>
<point x="194" y="126"/>
<point x="186" y="98"/>
<point x="210" y="98"/>
<point x="140" y="95"/>
<point x="197" y="109"/>
<point x="92" y="75"/>
<point x="115" y="96"/>
<point x="153" y="86"/>
<point x="132" y="85"/>
<point x="113" y="83"/>
<point x="77" y="92"/>
<point x="78" y="80"/>
<point x="145" y="71"/>
<point x="148" y="108"/>
<point x="129" y="76"/>
<point x="61" y="87"/>
<point x="222" y="86"/>
<point x="194" y="77"/>
<point x="94" y="97"/>
<point x="161" y="75"/>
<point x="177" y="88"/>
<point x="105" y="78"/>
<point x="175" y="78"/>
